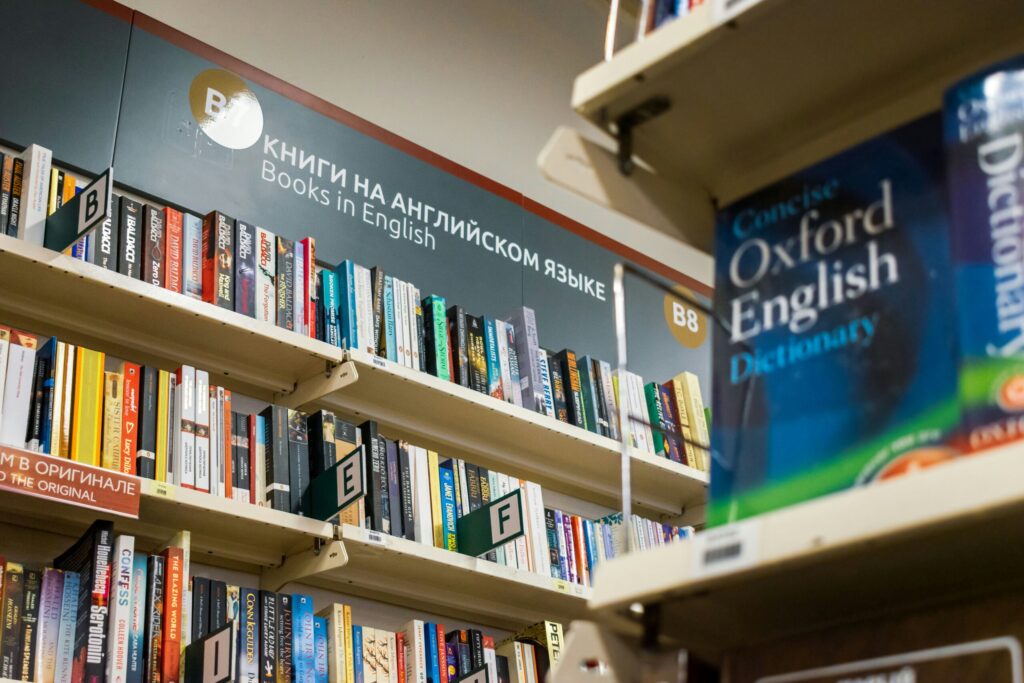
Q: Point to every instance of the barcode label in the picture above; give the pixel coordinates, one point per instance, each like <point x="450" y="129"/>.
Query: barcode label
<point x="725" y="10"/>
<point x="376" y="537"/>
<point x="379" y="362"/>
<point x="726" y="548"/>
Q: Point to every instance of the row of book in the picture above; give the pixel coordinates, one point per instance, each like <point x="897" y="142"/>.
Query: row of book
<point x="102" y="612"/>
<point x="662" y="11"/>
<point x="239" y="266"/>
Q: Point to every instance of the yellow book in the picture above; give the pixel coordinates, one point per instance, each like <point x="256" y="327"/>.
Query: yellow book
<point x="112" y="407"/>
<point x="692" y="457"/>
<point x="87" y="415"/>
<point x="163" y="414"/>
<point x="338" y="634"/>
<point x="435" y="499"/>
<point x="51" y="201"/>
<point x="68" y="408"/>
<point x="68" y="189"/>
<point x="690" y="387"/>
<point x="350" y="662"/>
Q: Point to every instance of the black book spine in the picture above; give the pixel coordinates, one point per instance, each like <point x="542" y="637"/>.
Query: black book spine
<point x="473" y="486"/>
<point x="430" y="363"/>
<point x="145" y="456"/>
<point x="129" y="260"/>
<point x="105" y="238"/>
<point x="476" y="647"/>
<point x="421" y="341"/>
<point x="321" y="442"/>
<point x="298" y="462"/>
<point x="405" y="475"/>
<point x="236" y="453"/>
<point x="245" y="269"/>
<point x="599" y="398"/>
<point x="153" y="246"/>
<point x="460" y="349"/>
<point x="241" y="432"/>
<point x="373" y="468"/>
<point x="394" y="490"/>
<point x="377" y="283"/>
<point x="485" y="498"/>
<point x="218" y="260"/>
<point x="35" y="422"/>
<point x="477" y="351"/>
<point x="566" y="360"/>
<point x="268" y="637"/>
<point x="347" y="433"/>
<point x="275" y="441"/>
<point x="381" y="480"/>
<point x="285" y="283"/>
<point x="200" y="607"/>
<point x="284" y="638"/>
<point x="10" y="633"/>
<point x="154" y="617"/>
<point x="14" y="213"/>
<point x="558" y="390"/>
<point x="552" y="531"/>
<point x="218" y="605"/>
<point x="6" y="171"/>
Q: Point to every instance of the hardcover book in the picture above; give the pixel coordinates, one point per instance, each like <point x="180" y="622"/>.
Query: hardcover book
<point x="129" y="261"/>
<point x="839" y="367"/>
<point x="245" y="268"/>
<point x="153" y="246"/>
<point x="192" y="256"/>
<point x="218" y="259"/>
<point x="477" y="349"/>
<point x="105" y="247"/>
<point x="173" y="263"/>
<point x="266" y="276"/>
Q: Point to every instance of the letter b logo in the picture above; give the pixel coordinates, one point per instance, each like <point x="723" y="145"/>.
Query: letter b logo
<point x="226" y="109"/>
<point x="686" y="323"/>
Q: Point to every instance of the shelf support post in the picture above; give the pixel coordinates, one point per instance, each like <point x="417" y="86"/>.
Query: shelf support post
<point x="625" y="124"/>
<point x="335" y="376"/>
<point x="322" y="557"/>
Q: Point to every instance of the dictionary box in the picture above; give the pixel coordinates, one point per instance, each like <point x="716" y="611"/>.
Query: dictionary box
<point x="838" y="367"/>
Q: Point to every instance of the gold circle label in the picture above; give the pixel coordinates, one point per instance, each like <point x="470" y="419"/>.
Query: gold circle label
<point x="226" y="109"/>
<point x="685" y="321"/>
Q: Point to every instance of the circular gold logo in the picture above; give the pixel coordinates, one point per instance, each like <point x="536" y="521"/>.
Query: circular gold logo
<point x="685" y="321"/>
<point x="226" y="109"/>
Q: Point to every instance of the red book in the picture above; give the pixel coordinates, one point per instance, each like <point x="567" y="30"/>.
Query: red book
<point x="174" y="559"/>
<point x="129" y="416"/>
<point x="252" y="460"/>
<point x="172" y="264"/>
<point x="452" y="375"/>
<point x="582" y="573"/>
<point x="309" y="286"/>
<point x="218" y="260"/>
<point x="229" y="491"/>
<point x="400" y="649"/>
<point x="442" y="654"/>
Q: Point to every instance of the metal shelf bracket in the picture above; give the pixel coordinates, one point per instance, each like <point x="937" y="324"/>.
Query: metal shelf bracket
<point x="335" y="376"/>
<point x="625" y="124"/>
<point x="322" y="557"/>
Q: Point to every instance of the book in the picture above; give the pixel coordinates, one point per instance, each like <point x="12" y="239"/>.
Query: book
<point x="376" y="478"/>
<point x="245" y="283"/>
<point x="310" y="295"/>
<point x="358" y="654"/>
<point x="330" y="305"/>
<point x="35" y="192"/>
<point x="51" y="598"/>
<point x="205" y="441"/>
<point x="29" y="624"/>
<point x="275" y="441"/>
<point x="437" y="520"/>
<point x="112" y="412"/>
<point x="419" y="349"/>
<point x="18" y="389"/>
<point x="266" y="276"/>
<point x="154" y="596"/>
<point x="377" y="286"/>
<point x="17" y="187"/>
<point x="90" y="558"/>
<point x="10" y="620"/>
<point x="119" y="629"/>
<point x="362" y="285"/>
<point x="248" y="666"/>
<point x="129" y="238"/>
<point x="154" y="258"/>
<point x="336" y="642"/>
<point x="6" y="177"/>
<point x="192" y="256"/>
<point x="128" y="447"/>
<point x="298" y="463"/>
<point x="459" y="340"/>
<point x="299" y="291"/>
<point x="524" y="325"/>
<point x="148" y="412"/>
<point x="174" y="264"/>
<point x="218" y="260"/>
<point x="42" y="386"/>
<point x="558" y="393"/>
<point x="673" y="443"/>
<point x="495" y="381"/>
<point x="66" y="631"/>
<point x="477" y="350"/>
<point x="347" y="304"/>
<point x="285" y="311"/>
<point x="544" y="361"/>
<point x="446" y="477"/>
<point x="268" y="630"/>
<point x="320" y="649"/>
<point x="423" y="515"/>
<point x="388" y="338"/>
<point x="436" y="337"/>
<point x="610" y="403"/>
<point x="566" y="360"/>
<point x="303" y="639"/>
<point x="285" y="649"/>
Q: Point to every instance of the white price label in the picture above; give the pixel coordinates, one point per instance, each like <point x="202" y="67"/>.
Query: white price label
<point x="379" y="362"/>
<point x="726" y="548"/>
<point x="725" y="10"/>
<point x="376" y="537"/>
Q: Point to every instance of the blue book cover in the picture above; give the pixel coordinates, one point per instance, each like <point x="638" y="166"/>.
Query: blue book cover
<point x="248" y="666"/>
<point x="347" y="304"/>
<point x="433" y="659"/>
<point x="320" y="649"/>
<point x="136" y="670"/>
<point x="838" y="367"/>
<point x="494" y="387"/>
<point x="389" y="319"/>
<point x="446" y="473"/>
<point x="192" y="256"/>
<point x="66" y="631"/>
<point x="588" y="546"/>
<point x="513" y="362"/>
<point x="357" y="653"/>
<point x="46" y="354"/>
<point x="984" y="139"/>
<point x="328" y="303"/>
<point x="303" y="639"/>
<point x="563" y="561"/>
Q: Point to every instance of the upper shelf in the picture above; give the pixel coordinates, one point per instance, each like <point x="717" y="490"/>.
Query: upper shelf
<point x="789" y="82"/>
<point x="49" y="292"/>
<point x="460" y="422"/>
<point x="933" y="535"/>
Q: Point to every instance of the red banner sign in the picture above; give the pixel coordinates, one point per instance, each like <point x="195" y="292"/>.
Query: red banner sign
<point x="45" y="476"/>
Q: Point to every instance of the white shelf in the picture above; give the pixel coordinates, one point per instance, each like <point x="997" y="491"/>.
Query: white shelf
<point x="934" y="535"/>
<point x="225" y="531"/>
<point x="412" y="574"/>
<point x="49" y="292"/>
<point x="460" y="422"/>
<point x="789" y="82"/>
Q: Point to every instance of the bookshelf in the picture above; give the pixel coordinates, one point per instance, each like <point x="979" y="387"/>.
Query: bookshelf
<point x="755" y="98"/>
<point x="464" y="423"/>
<point x="953" y="531"/>
<point x="414" y="575"/>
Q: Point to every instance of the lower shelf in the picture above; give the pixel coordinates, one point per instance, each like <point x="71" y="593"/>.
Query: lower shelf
<point x="945" y="533"/>
<point x="414" y="575"/>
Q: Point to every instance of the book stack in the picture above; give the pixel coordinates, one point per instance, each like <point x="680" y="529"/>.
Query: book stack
<point x="578" y="545"/>
<point x="103" y="611"/>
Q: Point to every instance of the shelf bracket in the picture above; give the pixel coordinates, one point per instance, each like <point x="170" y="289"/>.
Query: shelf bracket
<point x="336" y="376"/>
<point x="624" y="125"/>
<point x="322" y="557"/>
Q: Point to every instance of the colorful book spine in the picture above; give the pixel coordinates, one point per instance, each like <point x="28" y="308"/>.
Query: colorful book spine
<point x="329" y="303"/>
<point x="303" y="639"/>
<point x="268" y="629"/>
<point x="245" y="268"/>
<point x="154" y="258"/>
<point x="154" y="618"/>
<point x="26" y="663"/>
<point x="192" y="256"/>
<point x="66" y="631"/>
<point x="299" y="290"/>
<point x="285" y="651"/>
<point x="119" y="631"/>
<point x="390" y="348"/>
<point x="320" y="649"/>
<point x="524" y="323"/>
<point x="349" y="313"/>
<point x="494" y="377"/>
<point x="136" y="661"/>
<point x="11" y="604"/>
<point x="458" y="342"/>
<point x="112" y="416"/>
<point x="130" y="373"/>
<point x="51" y="600"/>
<point x="446" y="475"/>
<point x="129" y="261"/>
<point x="174" y="254"/>
<point x="266" y="276"/>
<point x="218" y="260"/>
<point x="357" y="649"/>
<point x="310" y="294"/>
<point x="200" y="464"/>
<point x="436" y="342"/>
<point x="248" y="665"/>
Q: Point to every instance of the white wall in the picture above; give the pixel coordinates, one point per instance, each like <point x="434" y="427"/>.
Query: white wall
<point x="482" y="82"/>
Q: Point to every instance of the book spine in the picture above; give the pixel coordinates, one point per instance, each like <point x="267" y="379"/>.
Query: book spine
<point x="35" y="192"/>
<point x="148" y="406"/>
<point x="278" y="491"/>
<point x="573" y="395"/>
<point x="331" y="304"/>
<point x="588" y="395"/>
<point x="477" y="352"/>
<point x="303" y="639"/>
<point x="298" y="462"/>
<point x="164" y="432"/>
<point x="153" y="246"/>
<point x="245" y="268"/>
<point x="433" y="656"/>
<point x="320" y="649"/>
<point x="105" y="243"/>
<point x="357" y="657"/>
<point x="419" y="348"/>
<point x="608" y="395"/>
<point x="285" y="284"/>
<point x="285" y="652"/>
<point x="395" y="512"/>
<point x="388" y="336"/>
<point x="6" y="178"/>
<point x="218" y="259"/>
<point x="29" y="628"/>
<point x="494" y="378"/>
<point x="268" y="637"/>
<point x="558" y="393"/>
<point x="310" y="295"/>
<point x="129" y="260"/>
<point x="545" y="387"/>
<point x="299" y="290"/>
<point x="203" y="432"/>
<point x="120" y="609"/>
<point x="17" y="187"/>
<point x="436" y="337"/>
<point x="192" y="256"/>
<point x="374" y="471"/>
<point x="50" y="599"/>
<point x="130" y="417"/>
<point x="155" y="619"/>
<point x="551" y="533"/>
<point x="570" y="549"/>
<point x="66" y="631"/>
<point x="377" y="278"/>
<point x="112" y="416"/>
<point x="266" y="276"/>
<point x="10" y="625"/>
<point x="448" y="515"/>
<point x="173" y="264"/>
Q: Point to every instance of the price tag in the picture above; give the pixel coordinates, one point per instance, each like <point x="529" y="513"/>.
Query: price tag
<point x="379" y="362"/>
<point x="727" y="548"/>
<point x="560" y="585"/>
<point x="163" y="490"/>
<point x="376" y="537"/>
<point x="725" y="10"/>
